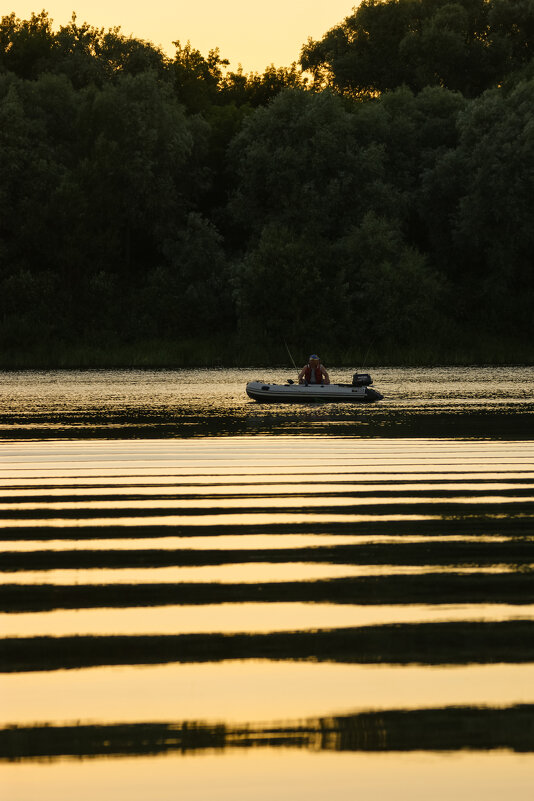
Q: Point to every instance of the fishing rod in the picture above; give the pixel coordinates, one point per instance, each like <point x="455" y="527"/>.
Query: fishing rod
<point x="290" y="356"/>
<point x="367" y="353"/>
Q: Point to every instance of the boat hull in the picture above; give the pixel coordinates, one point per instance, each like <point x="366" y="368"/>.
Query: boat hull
<point x="312" y="393"/>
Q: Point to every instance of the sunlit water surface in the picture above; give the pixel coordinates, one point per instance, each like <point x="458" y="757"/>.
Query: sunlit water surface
<point x="484" y="401"/>
<point x="325" y="600"/>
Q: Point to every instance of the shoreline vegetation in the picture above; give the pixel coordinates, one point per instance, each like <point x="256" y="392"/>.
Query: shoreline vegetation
<point x="456" y="351"/>
<point x="373" y="201"/>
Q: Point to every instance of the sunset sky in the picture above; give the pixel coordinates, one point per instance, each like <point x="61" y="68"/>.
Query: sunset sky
<point x="247" y="32"/>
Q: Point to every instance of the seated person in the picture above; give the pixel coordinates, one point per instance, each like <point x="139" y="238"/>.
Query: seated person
<point x="314" y="372"/>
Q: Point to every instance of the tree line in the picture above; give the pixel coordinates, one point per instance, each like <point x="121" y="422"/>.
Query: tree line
<point x="382" y="188"/>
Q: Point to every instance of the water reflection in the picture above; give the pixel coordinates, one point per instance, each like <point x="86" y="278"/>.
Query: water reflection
<point x="233" y="692"/>
<point x="233" y="618"/>
<point x="449" y="729"/>
<point x="242" y="573"/>
<point x="422" y="643"/>
<point x="278" y="773"/>
<point x="313" y="597"/>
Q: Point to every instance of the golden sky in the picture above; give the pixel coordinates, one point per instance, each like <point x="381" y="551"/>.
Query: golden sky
<point x="246" y="31"/>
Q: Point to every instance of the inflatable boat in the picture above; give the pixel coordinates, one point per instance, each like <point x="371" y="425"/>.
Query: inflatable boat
<point x="359" y="391"/>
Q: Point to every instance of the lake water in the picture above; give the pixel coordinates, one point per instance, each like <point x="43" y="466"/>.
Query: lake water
<point x="202" y="597"/>
<point x="494" y="402"/>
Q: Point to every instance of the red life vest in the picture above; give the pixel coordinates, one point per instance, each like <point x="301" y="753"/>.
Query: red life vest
<point x="308" y="373"/>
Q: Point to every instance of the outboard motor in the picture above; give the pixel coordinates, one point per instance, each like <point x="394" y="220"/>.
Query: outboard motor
<point x="361" y="380"/>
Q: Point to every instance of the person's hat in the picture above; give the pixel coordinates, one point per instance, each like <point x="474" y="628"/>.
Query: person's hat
<point x="313" y="356"/>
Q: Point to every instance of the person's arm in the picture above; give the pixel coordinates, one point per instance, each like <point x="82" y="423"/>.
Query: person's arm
<point x="301" y="375"/>
<point x="325" y="375"/>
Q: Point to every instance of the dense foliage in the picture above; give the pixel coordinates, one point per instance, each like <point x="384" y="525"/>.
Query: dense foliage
<point x="388" y="198"/>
